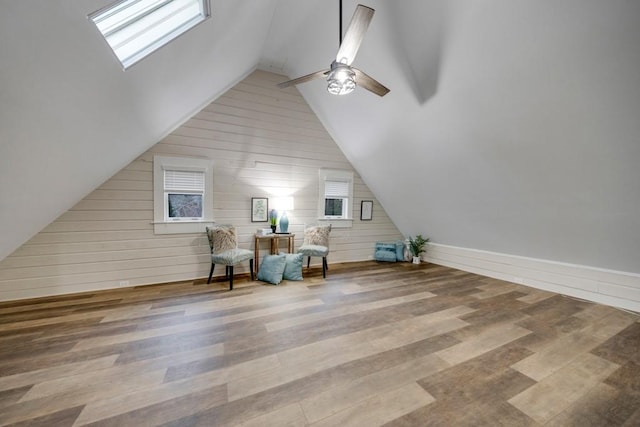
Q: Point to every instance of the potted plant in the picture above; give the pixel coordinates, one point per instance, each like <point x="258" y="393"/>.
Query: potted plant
<point x="416" y="246"/>
<point x="273" y="219"/>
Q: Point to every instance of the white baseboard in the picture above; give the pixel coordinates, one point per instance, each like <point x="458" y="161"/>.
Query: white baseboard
<point x="610" y="287"/>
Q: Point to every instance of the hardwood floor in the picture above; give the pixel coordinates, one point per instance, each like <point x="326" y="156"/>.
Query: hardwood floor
<point x="372" y="344"/>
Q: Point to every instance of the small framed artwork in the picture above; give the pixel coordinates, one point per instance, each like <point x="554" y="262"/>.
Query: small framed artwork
<point x="366" y="210"/>
<point x="259" y="209"/>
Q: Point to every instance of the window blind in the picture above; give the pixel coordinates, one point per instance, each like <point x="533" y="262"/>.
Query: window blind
<point x="336" y="188"/>
<point x="183" y="181"/>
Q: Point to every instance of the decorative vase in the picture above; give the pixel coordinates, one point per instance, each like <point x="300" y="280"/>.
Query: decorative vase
<point x="416" y="260"/>
<point x="273" y="228"/>
<point x="284" y="223"/>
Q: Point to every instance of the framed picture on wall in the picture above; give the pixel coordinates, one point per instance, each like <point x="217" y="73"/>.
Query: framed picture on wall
<point x="259" y="209"/>
<point x="366" y="210"/>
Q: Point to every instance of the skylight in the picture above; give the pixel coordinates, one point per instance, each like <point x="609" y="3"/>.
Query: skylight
<point x="135" y="28"/>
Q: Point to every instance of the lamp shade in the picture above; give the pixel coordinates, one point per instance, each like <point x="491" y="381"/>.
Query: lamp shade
<point x="283" y="203"/>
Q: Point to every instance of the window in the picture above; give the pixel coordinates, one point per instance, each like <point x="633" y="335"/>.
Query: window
<point x="336" y="196"/>
<point x="183" y="194"/>
<point x="135" y="28"/>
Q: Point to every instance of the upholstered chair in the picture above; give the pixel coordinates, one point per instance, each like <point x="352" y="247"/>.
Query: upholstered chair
<point x="316" y="243"/>
<point x="224" y="250"/>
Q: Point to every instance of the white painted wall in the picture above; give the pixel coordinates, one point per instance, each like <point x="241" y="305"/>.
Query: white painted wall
<point x="511" y="126"/>
<point x="70" y="117"/>
<point x="519" y="135"/>
<point x="263" y="142"/>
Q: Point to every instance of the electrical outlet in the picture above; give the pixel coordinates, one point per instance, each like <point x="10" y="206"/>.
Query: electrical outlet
<point x="124" y="283"/>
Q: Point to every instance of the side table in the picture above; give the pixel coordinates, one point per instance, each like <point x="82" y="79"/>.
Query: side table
<point x="274" y="240"/>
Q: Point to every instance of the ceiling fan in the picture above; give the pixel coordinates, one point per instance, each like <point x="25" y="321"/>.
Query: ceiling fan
<point x="342" y="78"/>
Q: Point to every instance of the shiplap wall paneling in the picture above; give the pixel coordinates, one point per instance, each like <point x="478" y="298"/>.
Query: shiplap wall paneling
<point x="263" y="141"/>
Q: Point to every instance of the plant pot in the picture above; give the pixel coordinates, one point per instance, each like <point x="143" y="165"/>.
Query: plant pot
<point x="416" y="260"/>
<point x="273" y="228"/>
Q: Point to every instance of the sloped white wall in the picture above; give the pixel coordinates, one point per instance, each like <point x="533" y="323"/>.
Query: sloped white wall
<point x="528" y="144"/>
<point x="64" y="97"/>
<point x="262" y="141"/>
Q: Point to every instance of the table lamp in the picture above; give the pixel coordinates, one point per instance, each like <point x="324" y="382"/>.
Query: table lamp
<point x="284" y="204"/>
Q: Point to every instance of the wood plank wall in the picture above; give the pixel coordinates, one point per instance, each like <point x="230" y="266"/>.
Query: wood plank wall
<point x="263" y="141"/>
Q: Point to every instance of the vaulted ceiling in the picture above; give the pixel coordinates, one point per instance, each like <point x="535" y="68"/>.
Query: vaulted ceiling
<point x="510" y="126"/>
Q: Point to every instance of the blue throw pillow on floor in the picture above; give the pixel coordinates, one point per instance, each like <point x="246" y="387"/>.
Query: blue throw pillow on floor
<point x="292" y="266"/>
<point x="272" y="269"/>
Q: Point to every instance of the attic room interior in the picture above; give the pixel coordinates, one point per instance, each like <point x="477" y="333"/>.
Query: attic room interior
<point x="509" y="136"/>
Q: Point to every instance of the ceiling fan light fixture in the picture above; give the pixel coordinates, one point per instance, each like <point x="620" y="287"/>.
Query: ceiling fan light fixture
<point x="342" y="79"/>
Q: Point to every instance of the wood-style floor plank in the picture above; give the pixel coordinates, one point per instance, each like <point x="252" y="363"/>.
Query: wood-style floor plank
<point x="391" y="344"/>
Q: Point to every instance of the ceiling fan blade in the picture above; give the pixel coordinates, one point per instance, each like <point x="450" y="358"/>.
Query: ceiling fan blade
<point x="355" y="33"/>
<point x="370" y="83"/>
<point x="304" y="79"/>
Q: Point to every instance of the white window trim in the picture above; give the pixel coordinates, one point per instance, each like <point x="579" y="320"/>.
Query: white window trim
<point x="160" y="224"/>
<point x="335" y="174"/>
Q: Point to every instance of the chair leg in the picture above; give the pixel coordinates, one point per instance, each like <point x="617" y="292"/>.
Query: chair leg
<point x="211" y="273"/>
<point x="251" y="268"/>
<point x="308" y="261"/>
<point x="230" y="277"/>
<point x="324" y="267"/>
